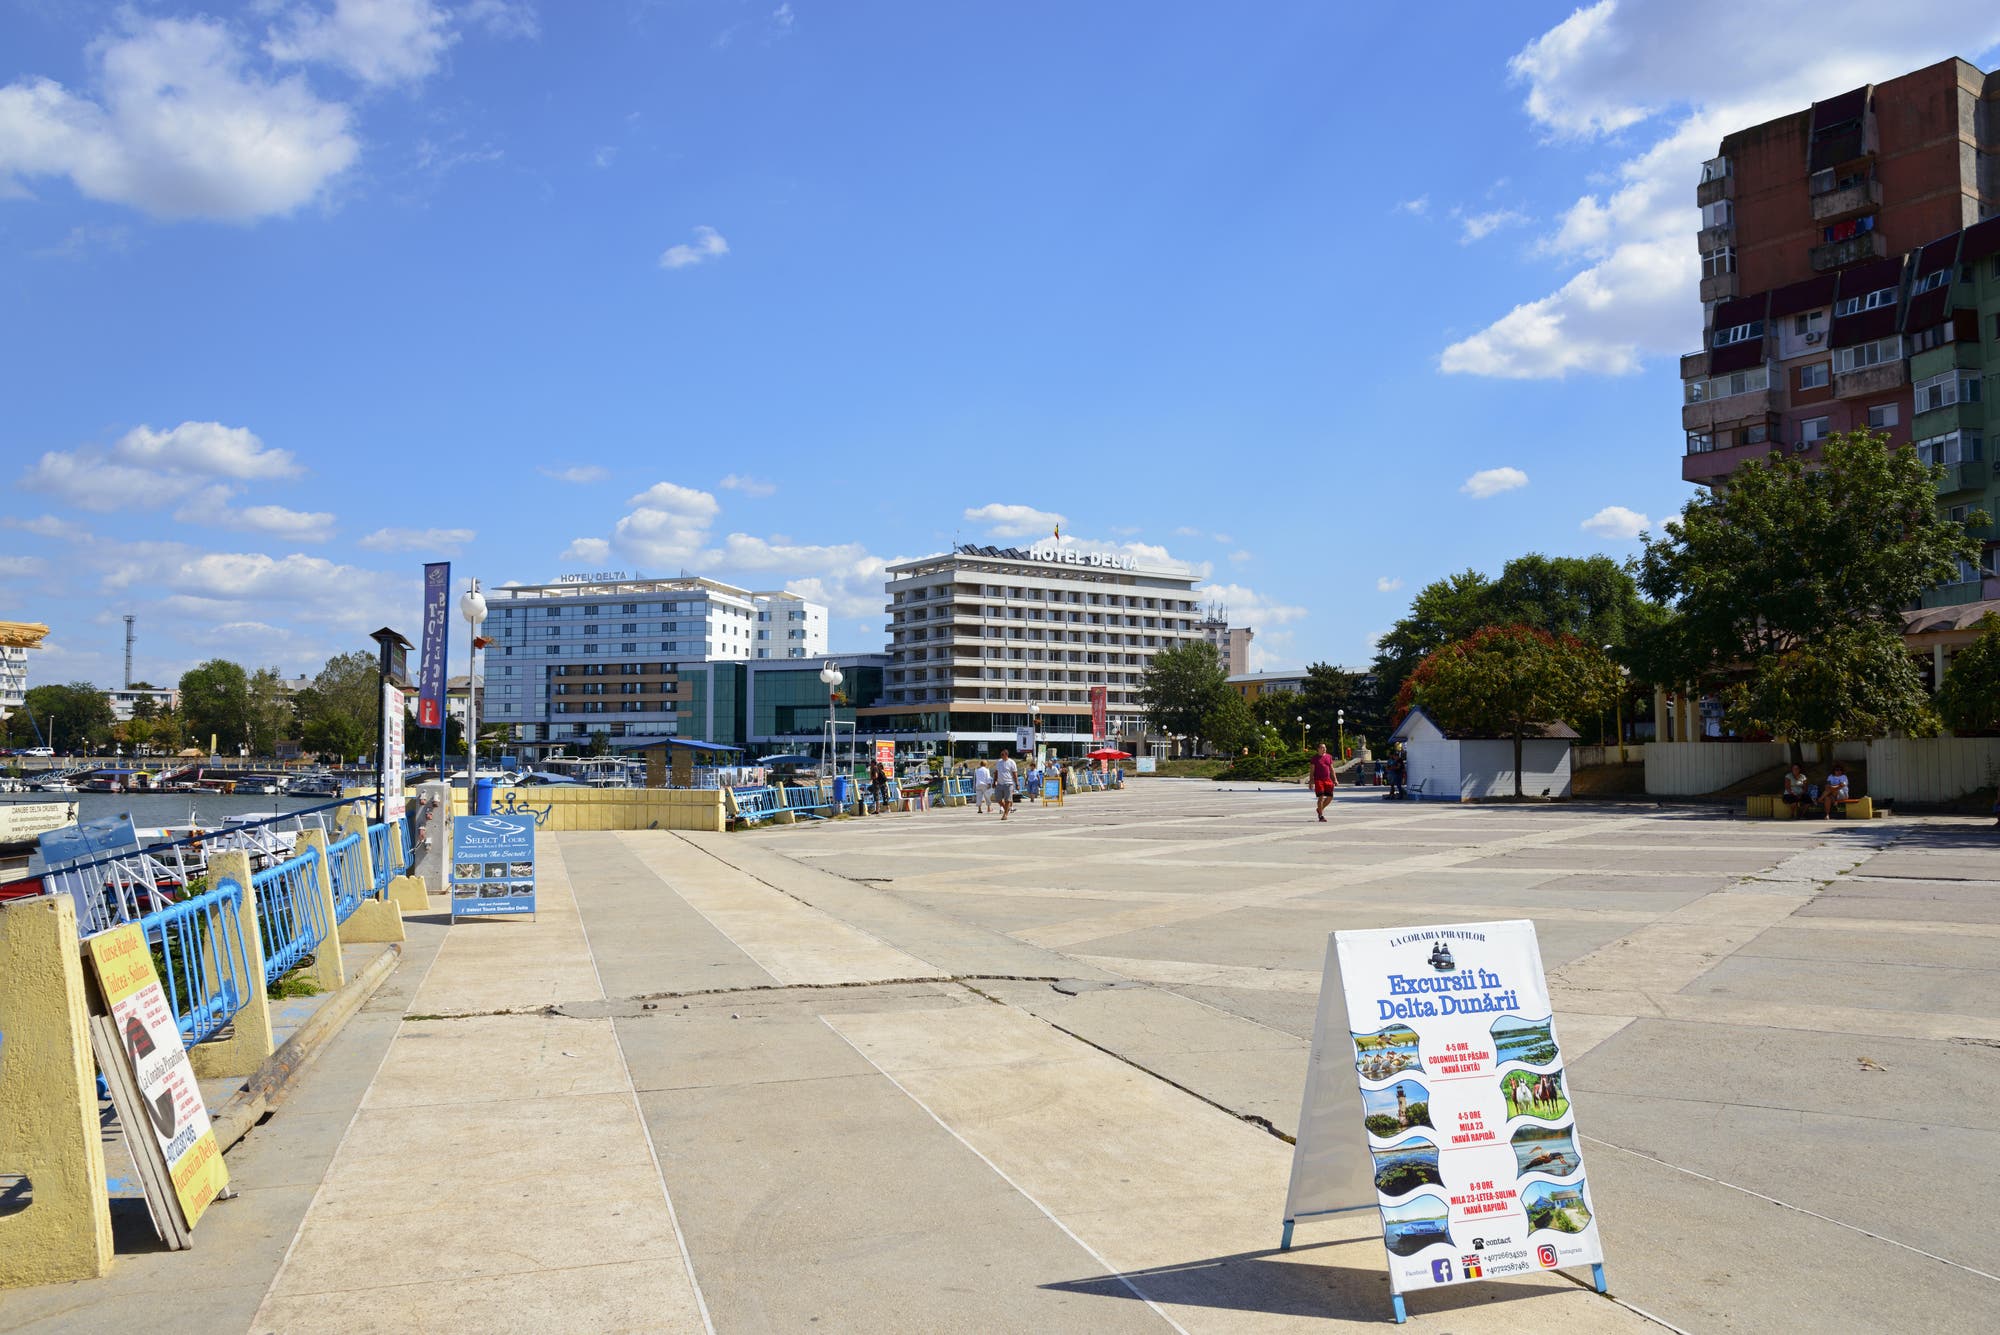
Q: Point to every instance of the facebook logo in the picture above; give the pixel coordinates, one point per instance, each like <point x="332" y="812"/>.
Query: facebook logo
<point x="1441" y="1270"/>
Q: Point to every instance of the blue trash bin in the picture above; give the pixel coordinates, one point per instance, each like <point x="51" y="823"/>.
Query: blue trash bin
<point x="482" y="797"/>
<point x="840" y="791"/>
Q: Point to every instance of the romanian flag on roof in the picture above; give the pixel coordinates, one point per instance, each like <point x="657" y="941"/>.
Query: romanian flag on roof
<point x="1058" y="532"/>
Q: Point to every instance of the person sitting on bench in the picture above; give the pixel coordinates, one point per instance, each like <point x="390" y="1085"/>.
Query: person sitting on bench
<point x="1836" y="789"/>
<point x="1795" y="794"/>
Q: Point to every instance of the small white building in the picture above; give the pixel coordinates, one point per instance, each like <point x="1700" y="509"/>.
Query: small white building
<point x="1452" y="768"/>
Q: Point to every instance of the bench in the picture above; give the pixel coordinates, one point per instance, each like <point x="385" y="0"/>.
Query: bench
<point x="750" y="804"/>
<point x="1776" y="808"/>
<point x="957" y="790"/>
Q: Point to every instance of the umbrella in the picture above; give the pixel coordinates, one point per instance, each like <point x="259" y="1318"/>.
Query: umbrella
<point x="1106" y="753"/>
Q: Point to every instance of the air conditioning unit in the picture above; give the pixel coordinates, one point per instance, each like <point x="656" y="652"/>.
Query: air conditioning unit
<point x="1802" y="446"/>
<point x="1814" y="337"/>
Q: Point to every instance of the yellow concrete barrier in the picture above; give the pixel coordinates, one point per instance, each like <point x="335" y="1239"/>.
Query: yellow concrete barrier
<point x="328" y="971"/>
<point x="609" y="808"/>
<point x="249" y="1039"/>
<point x="48" y="1101"/>
<point x="1759" y="808"/>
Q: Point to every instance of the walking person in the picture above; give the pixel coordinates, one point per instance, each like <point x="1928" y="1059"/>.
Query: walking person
<point x="1004" y="775"/>
<point x="1322" y="780"/>
<point x="878" y="780"/>
<point x="982" y="787"/>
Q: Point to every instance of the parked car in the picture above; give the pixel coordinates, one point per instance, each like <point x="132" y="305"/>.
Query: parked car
<point x="38" y="751"/>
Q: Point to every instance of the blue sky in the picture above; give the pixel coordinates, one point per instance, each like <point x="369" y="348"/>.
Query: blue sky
<point x="1323" y="302"/>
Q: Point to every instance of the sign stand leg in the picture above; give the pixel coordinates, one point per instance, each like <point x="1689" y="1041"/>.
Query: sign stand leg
<point x="1597" y="1276"/>
<point x="1401" y="1315"/>
<point x="1285" y="1243"/>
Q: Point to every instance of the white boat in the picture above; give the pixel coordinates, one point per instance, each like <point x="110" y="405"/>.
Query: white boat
<point x="21" y="823"/>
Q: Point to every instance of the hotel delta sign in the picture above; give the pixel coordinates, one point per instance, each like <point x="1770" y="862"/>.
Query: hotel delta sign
<point x="592" y="577"/>
<point x="1067" y="557"/>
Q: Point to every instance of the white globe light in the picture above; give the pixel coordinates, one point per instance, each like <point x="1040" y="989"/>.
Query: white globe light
<point x="830" y="674"/>
<point x="472" y="606"/>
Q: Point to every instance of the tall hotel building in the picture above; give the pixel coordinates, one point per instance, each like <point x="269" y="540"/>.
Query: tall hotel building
<point x="629" y="657"/>
<point x="978" y="635"/>
<point x="1850" y="259"/>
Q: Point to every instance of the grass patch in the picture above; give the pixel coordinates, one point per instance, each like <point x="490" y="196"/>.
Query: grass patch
<point x="293" y="984"/>
<point x="1181" y="769"/>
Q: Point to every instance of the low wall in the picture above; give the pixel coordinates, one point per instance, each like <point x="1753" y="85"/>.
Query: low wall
<point x="1932" y="769"/>
<point x="1690" y="769"/>
<point x="608" y="808"/>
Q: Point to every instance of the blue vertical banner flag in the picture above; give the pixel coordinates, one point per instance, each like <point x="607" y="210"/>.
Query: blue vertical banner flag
<point x="437" y="636"/>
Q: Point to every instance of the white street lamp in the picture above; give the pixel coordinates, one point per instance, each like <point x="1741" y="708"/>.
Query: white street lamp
<point x="1340" y="721"/>
<point x="831" y="674"/>
<point x="1035" y="725"/>
<point x="472" y="606"/>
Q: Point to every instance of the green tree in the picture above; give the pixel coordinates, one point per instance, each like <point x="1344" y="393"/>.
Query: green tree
<point x="1850" y="682"/>
<point x="1281" y="710"/>
<point x="215" y="702"/>
<point x="337" y="711"/>
<point x="1503" y="680"/>
<point x="1182" y="686"/>
<point x="1329" y="692"/>
<point x="600" y="743"/>
<point x="76" y="717"/>
<point x="1970" y="697"/>
<point x="272" y="717"/>
<point x="1811" y="563"/>
<point x="1229" y="726"/>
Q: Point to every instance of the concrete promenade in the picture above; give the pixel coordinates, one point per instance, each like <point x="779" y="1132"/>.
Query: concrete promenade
<point x="933" y="1073"/>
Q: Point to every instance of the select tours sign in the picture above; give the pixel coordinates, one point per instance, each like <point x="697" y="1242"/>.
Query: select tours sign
<point x="1465" y="1112"/>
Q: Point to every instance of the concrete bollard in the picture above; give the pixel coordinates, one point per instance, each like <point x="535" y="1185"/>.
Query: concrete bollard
<point x="376" y="919"/>
<point x="329" y="971"/>
<point x="249" y="1039"/>
<point x="48" y="1101"/>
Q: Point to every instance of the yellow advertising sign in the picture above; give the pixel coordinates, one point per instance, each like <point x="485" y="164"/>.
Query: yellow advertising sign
<point x="152" y="1042"/>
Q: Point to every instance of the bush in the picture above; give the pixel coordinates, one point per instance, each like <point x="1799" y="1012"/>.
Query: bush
<point x="1289" y="763"/>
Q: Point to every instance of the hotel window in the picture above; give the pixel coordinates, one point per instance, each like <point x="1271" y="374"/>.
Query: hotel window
<point x="1882" y="416"/>
<point x="1759" y="434"/>
<point x="1935" y="337"/>
<point x="1700" y="442"/>
<point x="1941" y="391"/>
<point x="1863" y="355"/>
<point x="590" y="630"/>
<point x="1881" y="296"/>
<point x="629" y="608"/>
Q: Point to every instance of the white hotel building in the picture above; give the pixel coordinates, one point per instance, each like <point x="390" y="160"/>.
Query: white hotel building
<point x="602" y="652"/>
<point x="979" y="634"/>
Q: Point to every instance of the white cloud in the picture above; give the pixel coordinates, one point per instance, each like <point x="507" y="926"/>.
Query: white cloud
<point x="580" y="474"/>
<point x="195" y="462"/>
<point x="1617" y="523"/>
<point x="847" y="577"/>
<point x="503" y="18"/>
<point x="1239" y="556"/>
<point x="666" y="527"/>
<point x="782" y="19"/>
<point x="18" y="567"/>
<point x="1388" y="584"/>
<point x="1652" y="71"/>
<point x="443" y="541"/>
<point x="708" y="244"/>
<point x="1015" y="521"/>
<point x="586" y="551"/>
<point x="1478" y="226"/>
<point x="604" y="156"/>
<point x="177" y="128"/>
<point x="279" y="522"/>
<point x="749" y="486"/>
<point x="1416" y="208"/>
<point x="1492" y="481"/>
<point x="377" y="41"/>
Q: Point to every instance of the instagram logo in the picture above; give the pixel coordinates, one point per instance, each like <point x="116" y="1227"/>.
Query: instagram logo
<point x="1546" y="1254"/>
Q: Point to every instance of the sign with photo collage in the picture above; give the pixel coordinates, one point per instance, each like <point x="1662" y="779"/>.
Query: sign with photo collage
<point x="492" y="866"/>
<point x="1465" y="1105"/>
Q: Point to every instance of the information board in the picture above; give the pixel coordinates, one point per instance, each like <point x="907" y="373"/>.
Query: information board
<point x="1465" y="1104"/>
<point x="885" y="755"/>
<point x="168" y="1128"/>
<point x="492" y="866"/>
<point x="1024" y="742"/>
<point x="393" y="800"/>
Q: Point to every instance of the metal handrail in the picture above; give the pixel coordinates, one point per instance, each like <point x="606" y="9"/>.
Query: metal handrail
<point x="350" y="887"/>
<point x="289" y="920"/>
<point x="378" y="853"/>
<point x="204" y="968"/>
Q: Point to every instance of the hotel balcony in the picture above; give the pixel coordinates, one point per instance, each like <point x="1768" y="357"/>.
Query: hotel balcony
<point x="1972" y="475"/>
<point x="1719" y="188"/>
<point x="1871" y="379"/>
<point x="1849" y="202"/>
<point x="1708" y="414"/>
<point x="1711" y="239"/>
<point x="1840" y="254"/>
<point x="1718" y="287"/>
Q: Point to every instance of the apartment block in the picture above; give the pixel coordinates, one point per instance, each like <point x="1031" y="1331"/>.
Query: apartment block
<point x="1850" y="261"/>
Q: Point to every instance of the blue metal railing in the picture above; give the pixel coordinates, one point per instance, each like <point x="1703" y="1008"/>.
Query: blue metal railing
<point x="344" y="869"/>
<point x="204" y="968"/>
<point x="388" y="861"/>
<point x="289" y="918"/>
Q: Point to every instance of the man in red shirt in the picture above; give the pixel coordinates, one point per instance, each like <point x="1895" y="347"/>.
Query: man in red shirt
<point x="1322" y="780"/>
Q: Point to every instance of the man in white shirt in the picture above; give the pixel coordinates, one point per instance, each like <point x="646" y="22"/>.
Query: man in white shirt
<point x="1004" y="776"/>
<point x="982" y="787"/>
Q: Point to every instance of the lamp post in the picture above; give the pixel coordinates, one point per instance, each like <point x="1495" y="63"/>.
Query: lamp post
<point x="472" y="606"/>
<point x="831" y="674"/>
<point x="1035" y="724"/>
<point x="1340" y="720"/>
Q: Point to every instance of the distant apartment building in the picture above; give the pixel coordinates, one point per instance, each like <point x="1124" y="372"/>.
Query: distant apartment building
<point x="604" y="653"/>
<point x="1232" y="643"/>
<point x="13" y="677"/>
<point x="125" y="703"/>
<point x="1850" y="261"/>
<point x="1254" y="686"/>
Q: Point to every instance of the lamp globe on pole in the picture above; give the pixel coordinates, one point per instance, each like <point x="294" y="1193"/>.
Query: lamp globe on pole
<point x="1340" y="722"/>
<point x="830" y="673"/>
<point x="472" y="606"/>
